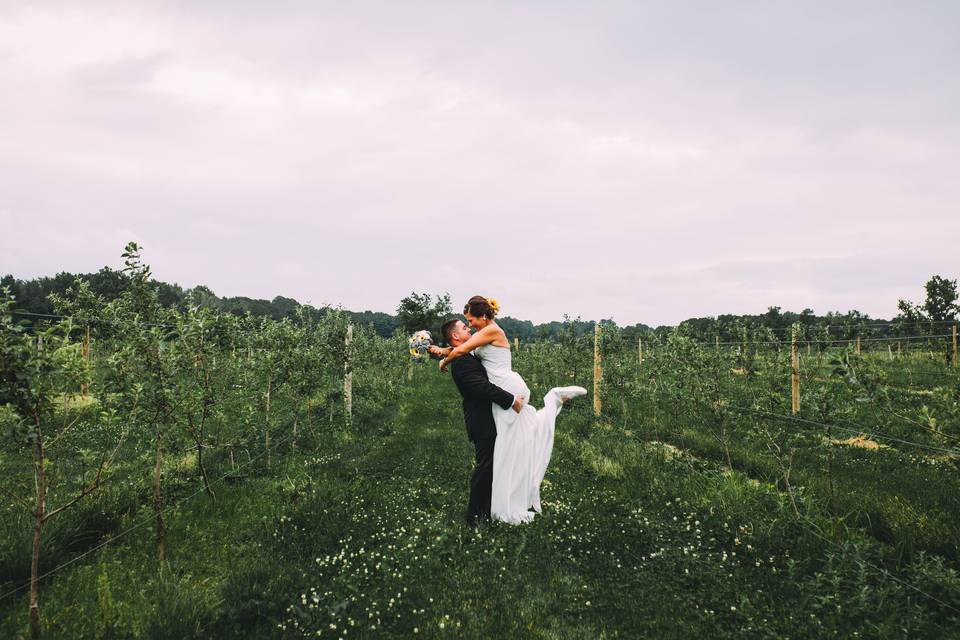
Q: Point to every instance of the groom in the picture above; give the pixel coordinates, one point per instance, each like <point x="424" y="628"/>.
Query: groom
<point x="478" y="395"/>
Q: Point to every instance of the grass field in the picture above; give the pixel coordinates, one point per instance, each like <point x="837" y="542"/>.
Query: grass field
<point x="358" y="534"/>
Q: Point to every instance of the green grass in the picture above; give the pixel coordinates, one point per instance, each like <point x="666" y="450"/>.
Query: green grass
<point x="360" y="535"/>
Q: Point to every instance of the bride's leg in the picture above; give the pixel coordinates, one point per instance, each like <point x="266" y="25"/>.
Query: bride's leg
<point x="566" y="393"/>
<point x="552" y="403"/>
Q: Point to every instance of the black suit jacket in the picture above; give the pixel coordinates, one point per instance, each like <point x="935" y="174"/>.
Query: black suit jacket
<point x="478" y="394"/>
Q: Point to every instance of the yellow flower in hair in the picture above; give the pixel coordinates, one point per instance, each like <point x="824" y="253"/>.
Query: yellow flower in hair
<point x="493" y="304"/>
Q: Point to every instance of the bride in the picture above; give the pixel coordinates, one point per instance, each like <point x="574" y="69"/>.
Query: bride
<point x="525" y="439"/>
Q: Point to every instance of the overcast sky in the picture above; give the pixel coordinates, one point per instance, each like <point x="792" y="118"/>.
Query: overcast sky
<point x="641" y="161"/>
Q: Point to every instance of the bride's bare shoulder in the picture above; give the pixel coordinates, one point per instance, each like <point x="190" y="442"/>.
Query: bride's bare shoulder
<point x="499" y="336"/>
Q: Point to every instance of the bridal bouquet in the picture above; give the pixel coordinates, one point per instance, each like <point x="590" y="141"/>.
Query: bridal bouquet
<point x="419" y="343"/>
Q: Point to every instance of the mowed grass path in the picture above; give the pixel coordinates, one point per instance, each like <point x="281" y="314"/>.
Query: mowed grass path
<point x="363" y="537"/>
<point x="630" y="544"/>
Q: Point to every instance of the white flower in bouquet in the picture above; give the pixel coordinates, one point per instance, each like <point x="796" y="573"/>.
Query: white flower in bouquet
<point x="419" y="344"/>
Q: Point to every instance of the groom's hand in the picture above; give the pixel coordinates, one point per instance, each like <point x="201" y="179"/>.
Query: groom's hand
<point x="518" y="403"/>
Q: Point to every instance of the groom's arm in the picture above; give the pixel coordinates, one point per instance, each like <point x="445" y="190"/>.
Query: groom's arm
<point x="469" y="376"/>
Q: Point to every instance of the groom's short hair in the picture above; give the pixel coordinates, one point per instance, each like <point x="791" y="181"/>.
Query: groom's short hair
<point x="448" y="327"/>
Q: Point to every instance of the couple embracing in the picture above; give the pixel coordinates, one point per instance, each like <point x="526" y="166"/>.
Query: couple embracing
<point x="513" y="441"/>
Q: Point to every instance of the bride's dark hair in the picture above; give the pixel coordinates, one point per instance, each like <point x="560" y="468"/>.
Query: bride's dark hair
<point x="479" y="307"/>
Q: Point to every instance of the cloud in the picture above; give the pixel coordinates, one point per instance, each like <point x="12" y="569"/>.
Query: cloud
<point x="642" y="162"/>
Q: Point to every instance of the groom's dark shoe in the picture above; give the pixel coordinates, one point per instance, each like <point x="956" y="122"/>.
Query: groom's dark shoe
<point x="474" y="522"/>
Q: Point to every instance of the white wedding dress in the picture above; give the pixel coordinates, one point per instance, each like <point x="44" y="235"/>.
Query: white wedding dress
<point x="524" y="440"/>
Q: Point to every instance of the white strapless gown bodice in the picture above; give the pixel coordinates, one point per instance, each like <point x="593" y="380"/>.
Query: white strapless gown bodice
<point x="524" y="441"/>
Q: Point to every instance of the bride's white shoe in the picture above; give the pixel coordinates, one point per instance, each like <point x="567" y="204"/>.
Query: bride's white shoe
<point x="566" y="393"/>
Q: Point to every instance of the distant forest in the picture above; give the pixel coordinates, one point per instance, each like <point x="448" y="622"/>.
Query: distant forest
<point x="940" y="307"/>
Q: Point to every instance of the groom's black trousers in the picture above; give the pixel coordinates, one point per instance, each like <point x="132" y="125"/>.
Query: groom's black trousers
<point x="481" y="482"/>
<point x="478" y="398"/>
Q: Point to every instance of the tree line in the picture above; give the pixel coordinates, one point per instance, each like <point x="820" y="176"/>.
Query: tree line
<point x="423" y="310"/>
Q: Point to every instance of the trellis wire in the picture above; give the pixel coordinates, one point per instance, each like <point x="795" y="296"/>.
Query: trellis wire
<point x="150" y="516"/>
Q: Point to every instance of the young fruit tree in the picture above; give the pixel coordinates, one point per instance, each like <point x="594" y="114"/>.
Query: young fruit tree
<point x="37" y="372"/>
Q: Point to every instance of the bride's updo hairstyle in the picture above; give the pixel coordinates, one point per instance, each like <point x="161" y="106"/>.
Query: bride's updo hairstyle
<point x="480" y="307"/>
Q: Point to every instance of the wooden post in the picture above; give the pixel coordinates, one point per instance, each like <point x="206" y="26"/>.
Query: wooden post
<point x="597" y="371"/>
<point x="954" y="358"/>
<point x="794" y="375"/>
<point x="516" y="344"/>
<point x="410" y="372"/>
<point x="717" y="342"/>
<point x="889" y="352"/>
<point x="348" y="376"/>
<point x="266" y="426"/>
<point x="85" y="388"/>
<point x="640" y="350"/>
<point x="858" y="345"/>
<point x="898" y="349"/>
